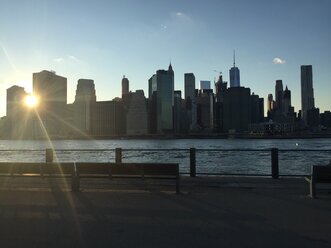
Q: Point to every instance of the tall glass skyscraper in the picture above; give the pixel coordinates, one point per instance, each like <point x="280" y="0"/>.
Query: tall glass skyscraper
<point x="234" y="74"/>
<point x="307" y="91"/>
<point x="163" y="84"/>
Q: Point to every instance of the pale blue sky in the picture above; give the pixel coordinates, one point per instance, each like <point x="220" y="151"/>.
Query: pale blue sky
<point x="104" y="40"/>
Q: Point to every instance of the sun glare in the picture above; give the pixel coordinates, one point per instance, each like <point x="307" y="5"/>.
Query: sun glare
<point x="31" y="101"/>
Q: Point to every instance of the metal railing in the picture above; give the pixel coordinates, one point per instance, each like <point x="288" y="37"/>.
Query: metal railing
<point x="193" y="162"/>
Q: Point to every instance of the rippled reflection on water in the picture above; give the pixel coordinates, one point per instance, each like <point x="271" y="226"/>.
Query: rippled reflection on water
<point x="293" y="162"/>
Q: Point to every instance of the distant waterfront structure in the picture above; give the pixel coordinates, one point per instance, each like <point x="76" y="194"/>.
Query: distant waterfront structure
<point x="136" y="118"/>
<point x="307" y="90"/>
<point x="125" y="86"/>
<point x="162" y="86"/>
<point x="83" y="106"/>
<point x="234" y="74"/>
<point x="51" y="91"/>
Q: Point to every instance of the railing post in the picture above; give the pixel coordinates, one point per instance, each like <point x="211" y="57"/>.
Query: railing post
<point x="274" y="163"/>
<point x="118" y="155"/>
<point x="49" y="155"/>
<point x="192" y="162"/>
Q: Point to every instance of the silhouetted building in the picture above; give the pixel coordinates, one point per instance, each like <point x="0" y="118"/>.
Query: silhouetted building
<point x="205" y="109"/>
<point x="204" y="85"/>
<point x="313" y="118"/>
<point x="220" y="88"/>
<point x="234" y="74"/>
<point x="18" y="121"/>
<point x="307" y="91"/>
<point x="255" y="109"/>
<point x="190" y="98"/>
<point x="236" y="109"/>
<point x="326" y="119"/>
<point x="108" y="119"/>
<point x="125" y="86"/>
<point x="136" y="118"/>
<point x="51" y="91"/>
<point x="286" y="101"/>
<point x="279" y="96"/>
<point x="163" y="84"/>
<point x="83" y="106"/>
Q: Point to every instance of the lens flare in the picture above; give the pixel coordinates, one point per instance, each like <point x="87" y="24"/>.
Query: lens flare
<point x="31" y="101"/>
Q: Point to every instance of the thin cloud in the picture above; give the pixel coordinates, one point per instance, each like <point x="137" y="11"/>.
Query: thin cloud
<point x="278" y="61"/>
<point x="69" y="58"/>
<point x="58" y="60"/>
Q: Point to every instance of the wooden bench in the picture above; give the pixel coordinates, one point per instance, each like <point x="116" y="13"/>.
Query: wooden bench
<point x="32" y="169"/>
<point x="126" y="170"/>
<point x="319" y="174"/>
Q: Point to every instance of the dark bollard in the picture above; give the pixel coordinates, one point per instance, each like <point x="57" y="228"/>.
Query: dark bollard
<point x="274" y="163"/>
<point x="49" y="155"/>
<point x="192" y="162"/>
<point x="118" y="155"/>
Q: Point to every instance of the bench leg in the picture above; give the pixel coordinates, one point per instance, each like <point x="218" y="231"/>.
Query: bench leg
<point x="312" y="185"/>
<point x="75" y="184"/>
<point x="177" y="185"/>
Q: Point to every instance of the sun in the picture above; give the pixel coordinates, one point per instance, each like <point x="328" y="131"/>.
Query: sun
<point x="31" y="101"/>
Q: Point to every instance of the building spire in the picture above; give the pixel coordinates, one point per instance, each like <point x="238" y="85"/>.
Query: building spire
<point x="234" y="58"/>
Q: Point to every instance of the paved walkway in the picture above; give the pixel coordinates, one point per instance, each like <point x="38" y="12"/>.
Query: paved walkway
<point x="211" y="212"/>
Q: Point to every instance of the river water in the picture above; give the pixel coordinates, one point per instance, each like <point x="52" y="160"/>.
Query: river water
<point x="294" y="162"/>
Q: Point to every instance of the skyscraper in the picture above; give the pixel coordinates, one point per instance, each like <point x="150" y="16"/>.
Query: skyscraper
<point x="136" y="118"/>
<point x="190" y="98"/>
<point x="17" y="115"/>
<point x="279" y="95"/>
<point x="125" y="86"/>
<point x="270" y="103"/>
<point x="234" y="74"/>
<point x="163" y="84"/>
<point x="189" y="81"/>
<point x="83" y="106"/>
<point x="307" y="90"/>
<point x="286" y="101"/>
<point x="204" y="85"/>
<point x="51" y="91"/>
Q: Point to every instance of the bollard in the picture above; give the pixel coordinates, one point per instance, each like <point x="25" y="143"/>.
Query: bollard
<point x="118" y="155"/>
<point x="192" y="162"/>
<point x="49" y="155"/>
<point x="274" y="163"/>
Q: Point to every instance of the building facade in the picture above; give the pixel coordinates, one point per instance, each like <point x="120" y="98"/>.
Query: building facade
<point x="307" y="91"/>
<point x="83" y="106"/>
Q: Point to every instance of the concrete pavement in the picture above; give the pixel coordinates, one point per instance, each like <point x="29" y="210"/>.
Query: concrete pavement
<point x="210" y="212"/>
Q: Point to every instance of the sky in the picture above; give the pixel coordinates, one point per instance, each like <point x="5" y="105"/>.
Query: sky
<point x="106" y="39"/>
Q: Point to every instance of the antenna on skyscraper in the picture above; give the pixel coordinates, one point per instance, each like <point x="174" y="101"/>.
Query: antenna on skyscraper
<point x="234" y="58"/>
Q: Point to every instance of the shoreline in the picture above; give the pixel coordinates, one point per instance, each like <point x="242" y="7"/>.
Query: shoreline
<point x="190" y="136"/>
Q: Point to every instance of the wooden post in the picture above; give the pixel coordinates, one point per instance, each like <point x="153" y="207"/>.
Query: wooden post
<point x="274" y="163"/>
<point x="49" y="155"/>
<point x="192" y="162"/>
<point x="118" y="155"/>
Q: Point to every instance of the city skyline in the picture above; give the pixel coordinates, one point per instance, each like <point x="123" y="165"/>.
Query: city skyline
<point x="105" y="40"/>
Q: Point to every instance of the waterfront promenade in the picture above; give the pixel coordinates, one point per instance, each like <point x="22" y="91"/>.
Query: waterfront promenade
<point x="210" y="212"/>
